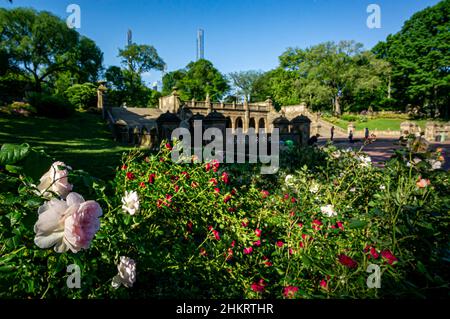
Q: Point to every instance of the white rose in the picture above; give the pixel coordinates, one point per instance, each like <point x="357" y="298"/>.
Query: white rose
<point x="67" y="224"/>
<point x="55" y="181"/>
<point x="289" y="180"/>
<point x="328" y="211"/>
<point x="314" y="188"/>
<point x="130" y="202"/>
<point x="336" y="154"/>
<point x="435" y="164"/>
<point x="365" y="160"/>
<point x="127" y="273"/>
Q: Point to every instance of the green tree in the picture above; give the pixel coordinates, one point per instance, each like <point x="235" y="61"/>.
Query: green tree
<point x="330" y="73"/>
<point x="126" y="83"/>
<point x="137" y="59"/>
<point x="244" y="82"/>
<point x="82" y="96"/>
<point x="420" y="59"/>
<point x="197" y="80"/>
<point x="171" y="80"/>
<point x="42" y="46"/>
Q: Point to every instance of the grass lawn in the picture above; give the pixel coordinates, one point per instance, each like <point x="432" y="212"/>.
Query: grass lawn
<point x="381" y="124"/>
<point x="82" y="141"/>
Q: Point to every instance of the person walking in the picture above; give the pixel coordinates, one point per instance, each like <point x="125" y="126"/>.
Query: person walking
<point x="332" y="133"/>
<point x="350" y="136"/>
<point x="366" y="133"/>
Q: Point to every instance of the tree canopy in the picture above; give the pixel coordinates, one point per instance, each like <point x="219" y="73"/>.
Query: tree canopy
<point x="244" y="82"/>
<point x="41" y="46"/>
<point x="420" y="59"/>
<point x="196" y="81"/>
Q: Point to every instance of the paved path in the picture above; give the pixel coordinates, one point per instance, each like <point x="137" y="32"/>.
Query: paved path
<point x="383" y="148"/>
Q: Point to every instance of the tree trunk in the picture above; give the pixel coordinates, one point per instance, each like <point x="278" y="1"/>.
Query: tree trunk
<point x="389" y="87"/>
<point x="337" y="105"/>
<point x="37" y="83"/>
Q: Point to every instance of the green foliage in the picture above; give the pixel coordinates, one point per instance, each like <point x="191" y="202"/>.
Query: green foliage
<point x="244" y="82"/>
<point x="196" y="223"/>
<point x="82" y="96"/>
<point x="126" y="85"/>
<point x="23" y="31"/>
<point x="419" y="55"/>
<point x="19" y="108"/>
<point x="50" y="105"/>
<point x="196" y="81"/>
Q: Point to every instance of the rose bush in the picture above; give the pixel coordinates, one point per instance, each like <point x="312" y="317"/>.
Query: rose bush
<point x="212" y="230"/>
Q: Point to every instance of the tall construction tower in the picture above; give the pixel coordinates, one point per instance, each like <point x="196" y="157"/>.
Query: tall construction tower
<point x="129" y="37"/>
<point x="200" y="44"/>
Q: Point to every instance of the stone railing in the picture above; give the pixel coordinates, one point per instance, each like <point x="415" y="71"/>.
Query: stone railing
<point x="172" y="103"/>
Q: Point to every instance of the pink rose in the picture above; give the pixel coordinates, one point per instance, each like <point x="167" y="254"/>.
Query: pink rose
<point x="69" y="224"/>
<point x="55" y="181"/>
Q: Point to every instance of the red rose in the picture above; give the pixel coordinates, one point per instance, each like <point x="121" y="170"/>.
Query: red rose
<point x="290" y="291"/>
<point x="258" y="232"/>
<point x="316" y="224"/>
<point x="257" y="243"/>
<point x="225" y="178"/>
<point x="215" y="165"/>
<point x="216" y="234"/>
<point x="227" y="198"/>
<point x="324" y="284"/>
<point x="151" y="178"/>
<point x="168" y="146"/>
<point x="280" y="243"/>
<point x="258" y="286"/>
<point x="186" y="174"/>
<point x="264" y="194"/>
<point x="142" y="184"/>
<point x="248" y="250"/>
<point x="130" y="176"/>
<point x="387" y="254"/>
<point x="347" y="261"/>
<point x="213" y="181"/>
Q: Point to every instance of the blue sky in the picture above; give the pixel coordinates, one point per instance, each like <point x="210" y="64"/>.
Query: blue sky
<point x="239" y="34"/>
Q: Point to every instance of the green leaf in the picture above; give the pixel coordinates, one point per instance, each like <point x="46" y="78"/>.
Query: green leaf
<point x="12" y="153"/>
<point x="306" y="260"/>
<point x="355" y="223"/>
<point x="36" y="164"/>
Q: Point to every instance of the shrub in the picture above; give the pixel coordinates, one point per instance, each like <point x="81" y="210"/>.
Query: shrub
<point x="349" y="117"/>
<point x="19" y="108"/>
<point x="82" y="96"/>
<point x="213" y="230"/>
<point x="50" y="105"/>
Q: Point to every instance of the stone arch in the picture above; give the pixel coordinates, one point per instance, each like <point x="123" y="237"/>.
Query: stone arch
<point x="229" y="123"/>
<point x="252" y="123"/>
<point x="262" y="124"/>
<point x="239" y="123"/>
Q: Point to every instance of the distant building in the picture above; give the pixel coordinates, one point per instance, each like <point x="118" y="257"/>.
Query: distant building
<point x="129" y="37"/>
<point x="200" y="44"/>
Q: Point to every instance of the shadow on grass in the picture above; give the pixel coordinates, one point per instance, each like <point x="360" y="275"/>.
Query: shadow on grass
<point x="83" y="141"/>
